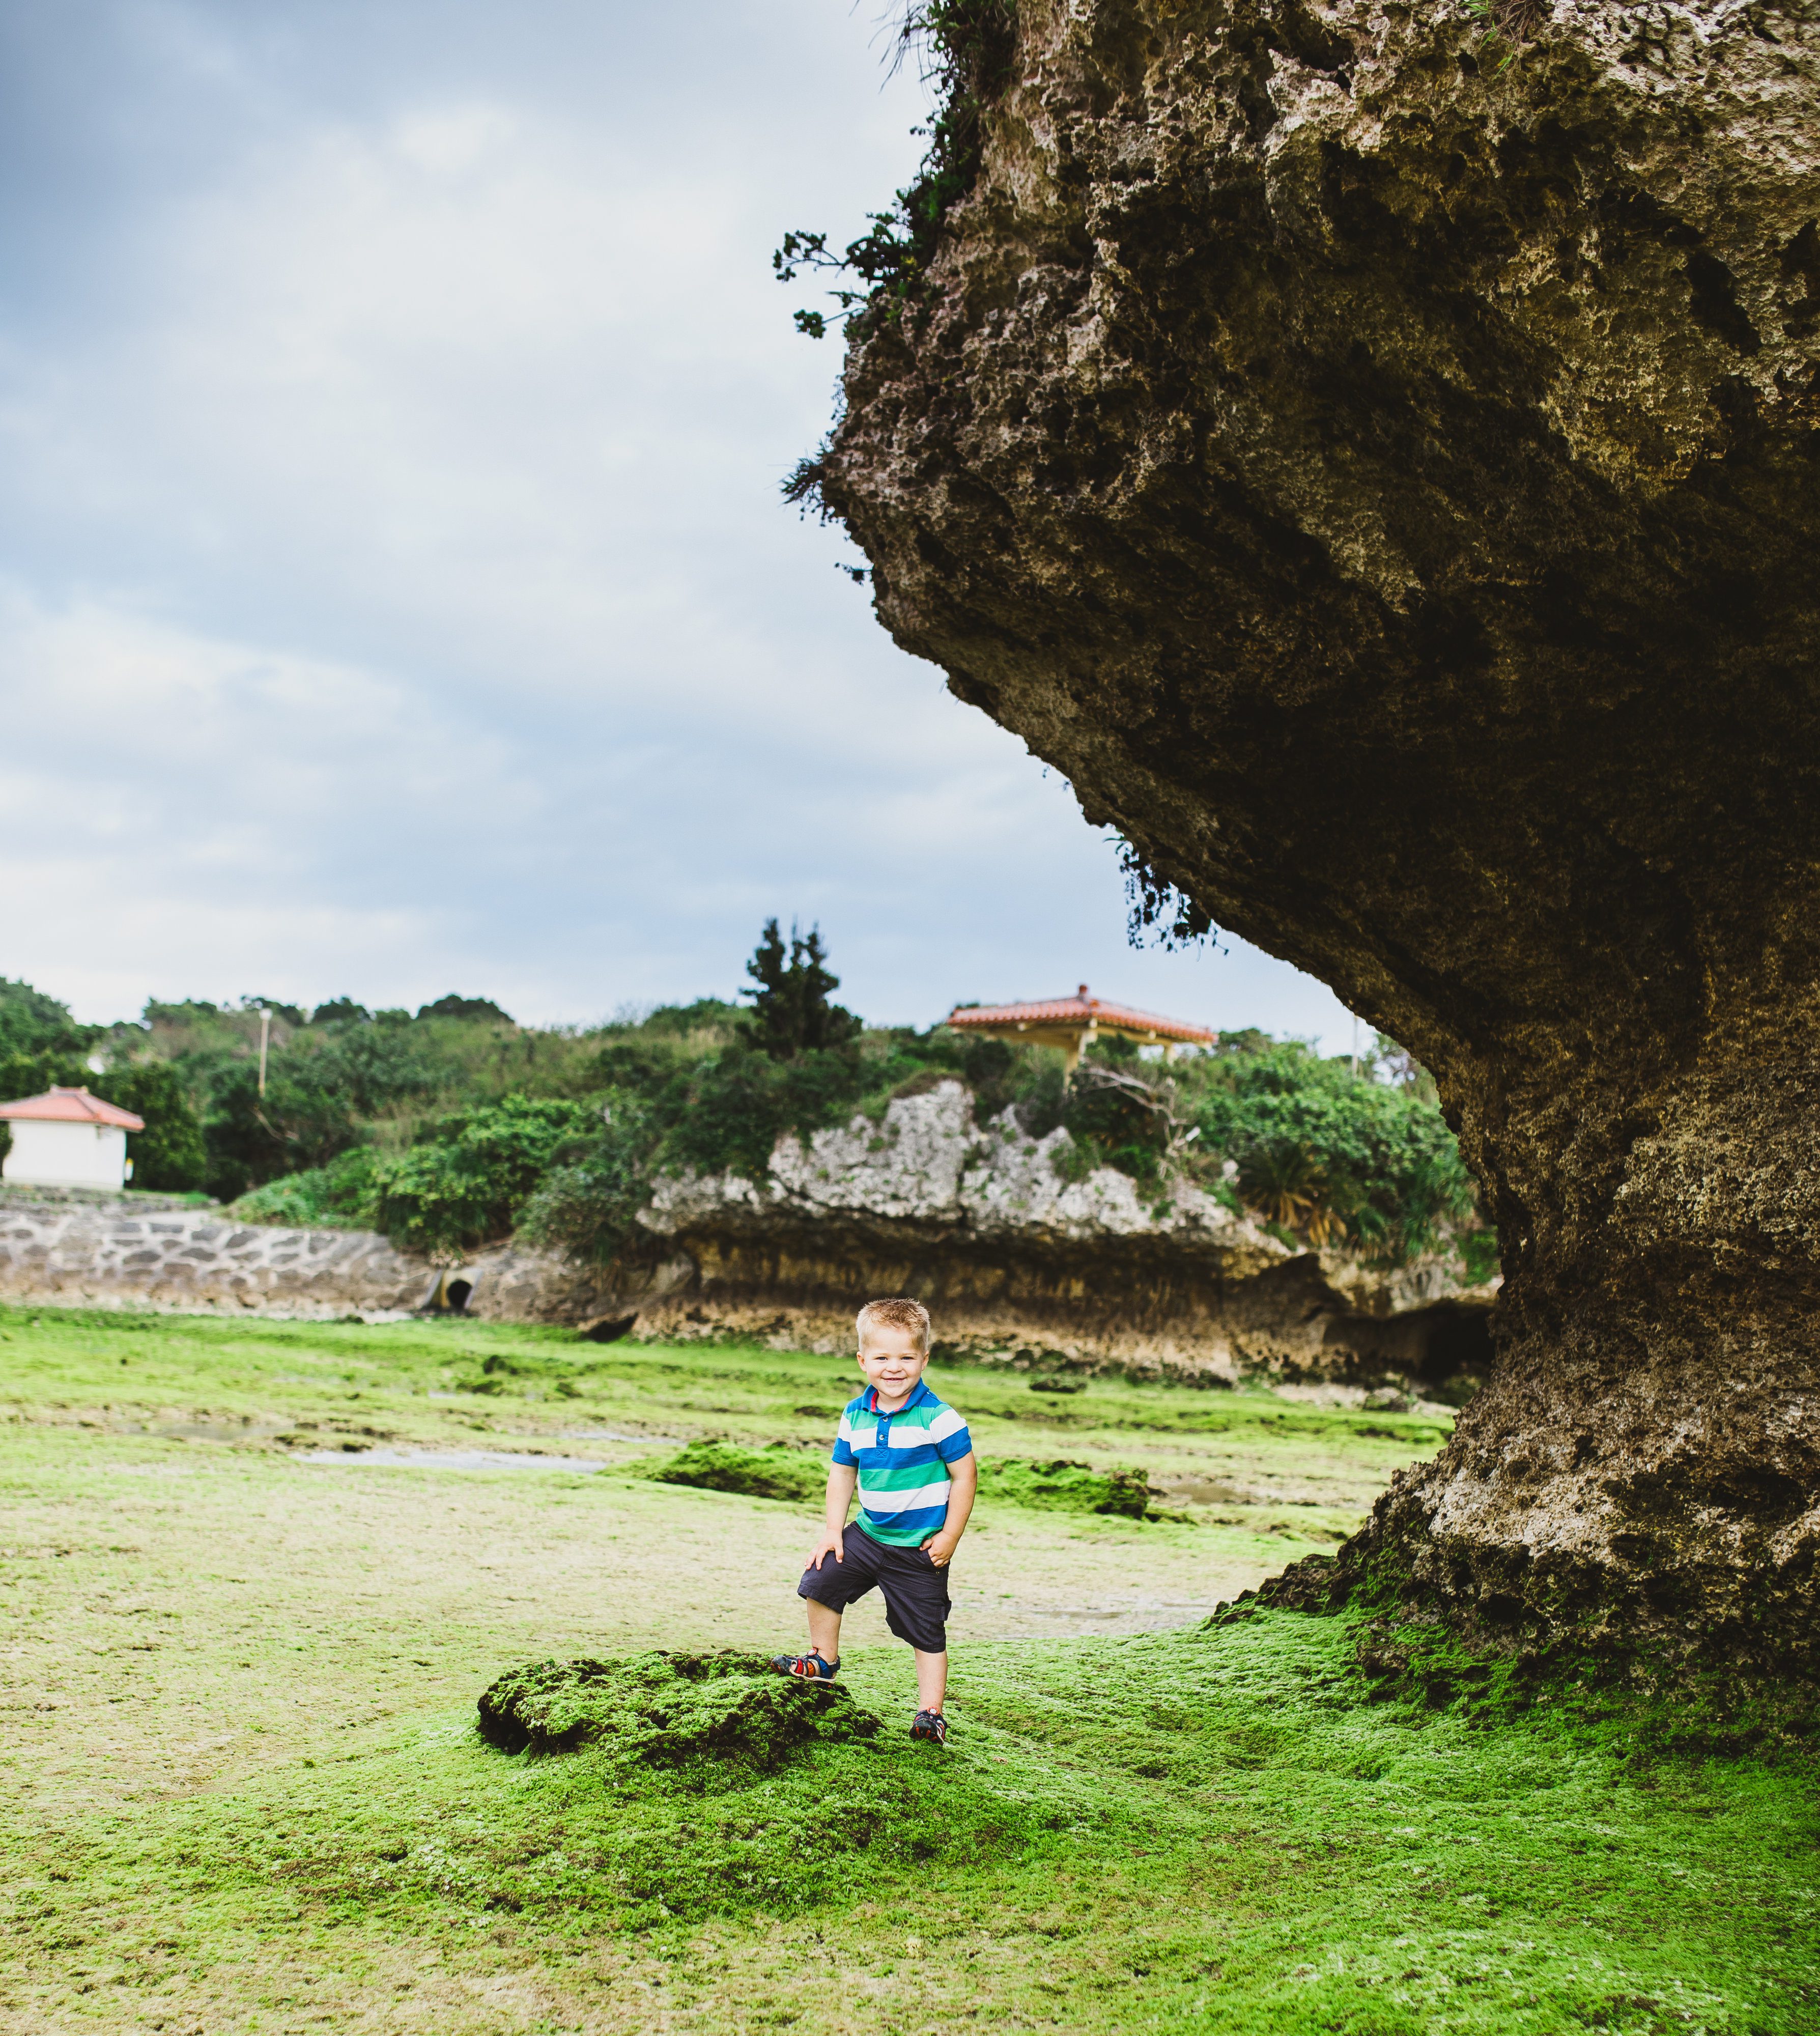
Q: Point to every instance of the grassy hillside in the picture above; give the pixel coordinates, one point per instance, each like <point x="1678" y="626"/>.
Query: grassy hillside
<point x="247" y="1628"/>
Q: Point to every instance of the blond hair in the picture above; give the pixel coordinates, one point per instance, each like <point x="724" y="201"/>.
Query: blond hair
<point x="900" y="1314"/>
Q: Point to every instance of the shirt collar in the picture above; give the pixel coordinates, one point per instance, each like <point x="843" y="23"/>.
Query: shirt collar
<point x="919" y="1394"/>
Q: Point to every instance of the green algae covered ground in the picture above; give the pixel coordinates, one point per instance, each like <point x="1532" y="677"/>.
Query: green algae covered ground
<point x="242" y="1786"/>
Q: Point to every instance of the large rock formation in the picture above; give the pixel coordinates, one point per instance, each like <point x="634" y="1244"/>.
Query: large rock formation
<point x="1380" y="466"/>
<point x="1022" y="1261"/>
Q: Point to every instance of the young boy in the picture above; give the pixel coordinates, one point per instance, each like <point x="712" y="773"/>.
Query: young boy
<point x="912" y="1460"/>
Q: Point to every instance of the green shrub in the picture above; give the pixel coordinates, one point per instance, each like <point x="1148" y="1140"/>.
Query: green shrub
<point x="1321" y="1150"/>
<point x="344" y="1195"/>
<point x="465" y="1185"/>
<point x="585" y="1208"/>
<point x="736" y="1106"/>
<point x="169" y="1154"/>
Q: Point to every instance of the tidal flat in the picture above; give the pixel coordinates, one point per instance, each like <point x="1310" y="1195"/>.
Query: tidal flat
<point x="242" y="1788"/>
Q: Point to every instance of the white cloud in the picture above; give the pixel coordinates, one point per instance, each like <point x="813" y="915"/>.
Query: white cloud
<point x="392" y="404"/>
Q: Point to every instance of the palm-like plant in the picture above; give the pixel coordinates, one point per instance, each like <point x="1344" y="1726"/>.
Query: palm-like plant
<point x="1286" y="1182"/>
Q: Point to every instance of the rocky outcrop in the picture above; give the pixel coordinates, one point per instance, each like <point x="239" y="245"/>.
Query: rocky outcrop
<point x="1377" y="465"/>
<point x="1019" y="1261"/>
<point x="114" y="1253"/>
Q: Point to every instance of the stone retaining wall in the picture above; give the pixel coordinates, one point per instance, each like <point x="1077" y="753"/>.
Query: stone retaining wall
<point x="115" y="1254"/>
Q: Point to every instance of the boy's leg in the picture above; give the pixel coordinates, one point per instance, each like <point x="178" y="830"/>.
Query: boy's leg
<point x="917" y="1608"/>
<point x="824" y="1630"/>
<point x="930" y="1679"/>
<point x="829" y="1589"/>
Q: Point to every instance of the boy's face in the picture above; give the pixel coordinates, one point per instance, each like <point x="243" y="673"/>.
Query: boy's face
<point x="890" y="1361"/>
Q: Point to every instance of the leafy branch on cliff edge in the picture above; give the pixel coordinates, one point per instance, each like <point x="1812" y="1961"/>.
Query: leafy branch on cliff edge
<point x="965" y="47"/>
<point x="1157" y="909"/>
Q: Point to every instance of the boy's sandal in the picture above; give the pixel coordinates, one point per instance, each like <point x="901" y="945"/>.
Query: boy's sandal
<point x="811" y="1666"/>
<point x="930" y="1725"/>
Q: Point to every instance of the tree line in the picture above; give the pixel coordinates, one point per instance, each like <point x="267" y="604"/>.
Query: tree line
<point x="452" y="1125"/>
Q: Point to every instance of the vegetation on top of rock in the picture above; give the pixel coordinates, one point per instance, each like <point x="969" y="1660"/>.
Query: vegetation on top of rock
<point x="965" y="48"/>
<point x="731" y="1711"/>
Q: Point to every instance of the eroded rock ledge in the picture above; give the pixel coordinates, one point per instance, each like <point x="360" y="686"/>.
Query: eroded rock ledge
<point x="1385" y="479"/>
<point x="1017" y="1262"/>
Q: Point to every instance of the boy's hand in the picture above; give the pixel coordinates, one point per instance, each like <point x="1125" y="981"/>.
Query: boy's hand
<point x="830" y="1545"/>
<point x="939" y="1547"/>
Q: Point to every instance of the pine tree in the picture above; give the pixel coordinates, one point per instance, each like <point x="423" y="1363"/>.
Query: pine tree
<point x="791" y="1013"/>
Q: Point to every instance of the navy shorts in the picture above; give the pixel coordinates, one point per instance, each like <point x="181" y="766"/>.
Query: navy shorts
<point x="917" y="1602"/>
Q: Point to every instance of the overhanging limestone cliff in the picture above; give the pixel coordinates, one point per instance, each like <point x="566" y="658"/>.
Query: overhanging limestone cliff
<point x="1385" y="479"/>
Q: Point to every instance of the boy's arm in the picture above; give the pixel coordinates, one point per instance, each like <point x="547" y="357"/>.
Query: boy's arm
<point x="964" y="1474"/>
<point x="842" y="1479"/>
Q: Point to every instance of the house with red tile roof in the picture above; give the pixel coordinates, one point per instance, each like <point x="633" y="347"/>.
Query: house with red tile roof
<point x="67" y="1138"/>
<point x="1072" y="1023"/>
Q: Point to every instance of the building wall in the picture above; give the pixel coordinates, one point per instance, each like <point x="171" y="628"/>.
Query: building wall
<point x="74" y="1156"/>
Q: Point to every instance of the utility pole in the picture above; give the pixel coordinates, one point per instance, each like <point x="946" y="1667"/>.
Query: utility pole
<point x="1354" y="1054"/>
<point x="265" y="1040"/>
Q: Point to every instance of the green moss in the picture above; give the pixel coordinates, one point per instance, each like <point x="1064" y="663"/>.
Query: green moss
<point x="531" y="1374"/>
<point x="1057" y="1486"/>
<point x="733" y="1710"/>
<point x="243" y="1789"/>
<point x="1063" y="1486"/>
<point x="777" y="1472"/>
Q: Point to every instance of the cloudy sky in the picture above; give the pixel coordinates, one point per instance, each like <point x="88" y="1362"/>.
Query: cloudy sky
<point x="394" y="593"/>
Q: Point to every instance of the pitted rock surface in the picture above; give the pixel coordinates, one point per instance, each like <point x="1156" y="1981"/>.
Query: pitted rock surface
<point x="926" y="1162"/>
<point x="1385" y="479"/>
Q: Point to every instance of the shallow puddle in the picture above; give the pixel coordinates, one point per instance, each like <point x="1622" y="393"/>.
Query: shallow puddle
<point x="449" y="1459"/>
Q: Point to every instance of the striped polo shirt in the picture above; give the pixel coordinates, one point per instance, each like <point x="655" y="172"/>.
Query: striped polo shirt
<point x="903" y="1459"/>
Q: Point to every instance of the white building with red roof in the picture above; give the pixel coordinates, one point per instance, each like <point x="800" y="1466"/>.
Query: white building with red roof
<point x="1074" y="1023"/>
<point x="67" y="1138"/>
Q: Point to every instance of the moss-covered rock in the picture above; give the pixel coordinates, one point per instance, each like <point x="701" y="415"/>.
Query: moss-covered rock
<point x="1062" y="1486"/>
<point x="776" y="1473"/>
<point x="663" y="1710"/>
<point x="782" y="1472"/>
